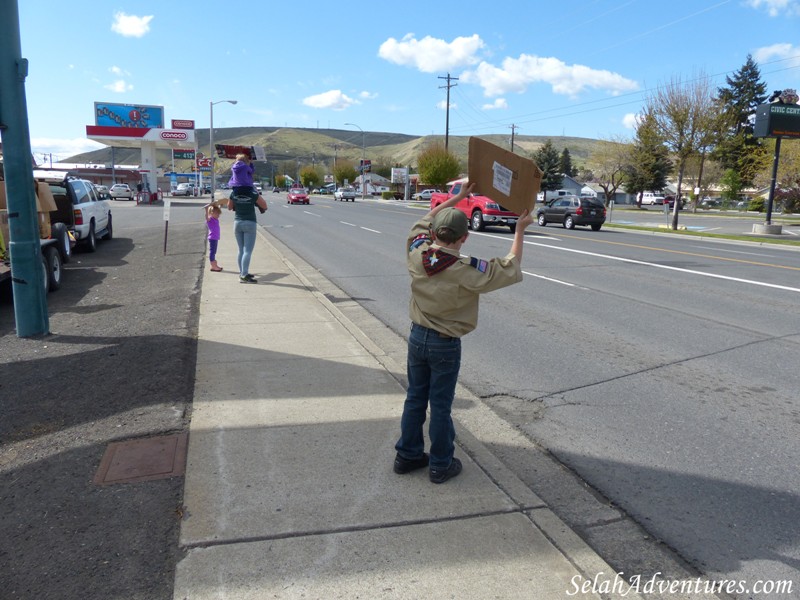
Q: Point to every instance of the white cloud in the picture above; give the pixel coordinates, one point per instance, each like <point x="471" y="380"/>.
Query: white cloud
<point x="778" y="51"/>
<point x="431" y="55"/>
<point x="333" y="99"/>
<point x="443" y="105"/>
<point x="516" y="74"/>
<point x="61" y="148"/>
<point x="119" y="86"/>
<point x="630" y="121"/>
<point x="498" y="103"/>
<point x="131" y="25"/>
<point x="368" y="95"/>
<point x="118" y="72"/>
<point x="776" y="7"/>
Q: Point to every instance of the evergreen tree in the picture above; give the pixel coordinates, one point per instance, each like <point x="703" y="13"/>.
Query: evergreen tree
<point x="437" y="165"/>
<point x="565" y="163"/>
<point x="547" y="159"/>
<point x="738" y="149"/>
<point x="649" y="160"/>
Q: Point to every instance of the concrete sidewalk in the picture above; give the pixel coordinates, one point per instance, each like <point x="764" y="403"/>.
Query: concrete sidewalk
<point x="289" y="488"/>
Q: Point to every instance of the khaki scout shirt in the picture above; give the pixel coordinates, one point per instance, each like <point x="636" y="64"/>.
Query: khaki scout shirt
<point x="445" y="287"/>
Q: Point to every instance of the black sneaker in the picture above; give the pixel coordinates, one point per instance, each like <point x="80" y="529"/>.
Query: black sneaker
<point x="442" y="475"/>
<point x="247" y="279"/>
<point x="403" y="465"/>
<point x="251" y="277"/>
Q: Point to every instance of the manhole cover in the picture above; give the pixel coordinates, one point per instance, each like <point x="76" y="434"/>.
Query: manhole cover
<point x="143" y="460"/>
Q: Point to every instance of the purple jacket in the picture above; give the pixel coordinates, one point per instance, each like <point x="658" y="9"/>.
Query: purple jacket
<point x="241" y="174"/>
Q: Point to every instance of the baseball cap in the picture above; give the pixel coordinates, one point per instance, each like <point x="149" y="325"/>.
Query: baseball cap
<point x="453" y="219"/>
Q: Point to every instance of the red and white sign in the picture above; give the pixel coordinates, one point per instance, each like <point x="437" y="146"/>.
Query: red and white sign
<point x="169" y="134"/>
<point x="182" y="124"/>
<point x="203" y="162"/>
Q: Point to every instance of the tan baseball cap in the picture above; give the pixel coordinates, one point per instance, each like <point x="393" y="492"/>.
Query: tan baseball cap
<point x="452" y="219"/>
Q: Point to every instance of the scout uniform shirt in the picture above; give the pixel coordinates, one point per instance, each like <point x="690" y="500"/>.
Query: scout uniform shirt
<point x="445" y="287"/>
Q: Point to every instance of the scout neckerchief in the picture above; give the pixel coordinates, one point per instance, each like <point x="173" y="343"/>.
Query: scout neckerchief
<point x="436" y="260"/>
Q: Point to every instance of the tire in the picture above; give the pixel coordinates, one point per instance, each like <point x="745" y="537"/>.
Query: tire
<point x="513" y="227"/>
<point x="541" y="220"/>
<point x="53" y="264"/>
<point x="569" y="223"/>
<point x="60" y="233"/>
<point x="109" y="229"/>
<point x="596" y="227"/>
<point x="476" y="222"/>
<point x="45" y="274"/>
<point x="91" y="239"/>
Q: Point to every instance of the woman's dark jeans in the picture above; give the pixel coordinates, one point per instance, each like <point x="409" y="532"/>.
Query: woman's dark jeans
<point x="433" y="365"/>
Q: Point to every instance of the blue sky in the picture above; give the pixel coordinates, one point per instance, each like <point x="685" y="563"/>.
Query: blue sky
<point x="574" y="67"/>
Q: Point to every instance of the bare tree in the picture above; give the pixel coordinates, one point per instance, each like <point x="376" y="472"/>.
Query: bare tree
<point x="687" y="117"/>
<point x="608" y="165"/>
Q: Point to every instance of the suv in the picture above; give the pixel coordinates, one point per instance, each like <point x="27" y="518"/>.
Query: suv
<point x="79" y="207"/>
<point x="121" y="190"/>
<point x="571" y="211"/>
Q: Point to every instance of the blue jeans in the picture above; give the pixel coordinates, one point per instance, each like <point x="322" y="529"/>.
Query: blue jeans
<point x="433" y="365"/>
<point x="245" y="232"/>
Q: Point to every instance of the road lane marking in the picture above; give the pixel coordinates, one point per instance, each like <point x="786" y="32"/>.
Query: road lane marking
<point x="372" y="230"/>
<point x="567" y="283"/>
<point x="312" y="214"/>
<point x="349" y="224"/>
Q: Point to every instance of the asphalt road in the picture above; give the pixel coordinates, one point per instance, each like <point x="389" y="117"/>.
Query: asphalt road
<point x="661" y="370"/>
<point x="119" y="365"/>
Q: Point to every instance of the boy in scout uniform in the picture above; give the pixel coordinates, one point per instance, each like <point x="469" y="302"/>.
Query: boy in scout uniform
<point x="444" y="306"/>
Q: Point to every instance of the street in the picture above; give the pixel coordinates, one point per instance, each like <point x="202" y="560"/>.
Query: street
<point x="658" y="369"/>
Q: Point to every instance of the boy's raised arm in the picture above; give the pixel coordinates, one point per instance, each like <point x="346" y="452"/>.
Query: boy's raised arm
<point x="466" y="190"/>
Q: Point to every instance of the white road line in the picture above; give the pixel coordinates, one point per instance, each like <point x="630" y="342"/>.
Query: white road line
<point x="567" y="283"/>
<point x="346" y="223"/>
<point x="312" y="214"/>
<point x="372" y="230"/>
<point x="671" y="268"/>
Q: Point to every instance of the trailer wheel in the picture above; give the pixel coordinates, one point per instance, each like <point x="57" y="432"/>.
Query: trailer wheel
<point x="54" y="266"/>
<point x="60" y="233"/>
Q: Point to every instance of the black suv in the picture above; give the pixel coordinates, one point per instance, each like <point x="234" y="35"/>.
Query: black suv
<point x="571" y="211"/>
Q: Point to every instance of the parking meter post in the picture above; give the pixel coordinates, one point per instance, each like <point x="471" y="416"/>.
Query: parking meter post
<point x="30" y="302"/>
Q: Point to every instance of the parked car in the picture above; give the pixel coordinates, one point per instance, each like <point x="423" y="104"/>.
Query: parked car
<point x="297" y="196"/>
<point x="479" y="209"/>
<point x="121" y="191"/>
<point x="184" y="189"/>
<point x="670" y="202"/>
<point x="425" y="195"/>
<point x="652" y="198"/>
<point x="571" y="211"/>
<point x="276" y="190"/>
<point x="711" y="202"/>
<point x="345" y="193"/>
<point x="79" y="208"/>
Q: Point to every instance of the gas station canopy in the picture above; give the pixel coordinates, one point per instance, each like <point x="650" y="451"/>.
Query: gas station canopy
<point x="132" y="137"/>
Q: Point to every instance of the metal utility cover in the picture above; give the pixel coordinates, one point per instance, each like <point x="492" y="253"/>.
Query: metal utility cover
<point x="143" y="460"/>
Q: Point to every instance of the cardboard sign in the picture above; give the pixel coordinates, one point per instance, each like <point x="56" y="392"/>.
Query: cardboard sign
<point x="507" y="178"/>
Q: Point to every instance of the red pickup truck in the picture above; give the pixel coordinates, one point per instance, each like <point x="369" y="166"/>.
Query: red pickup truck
<point x="480" y="210"/>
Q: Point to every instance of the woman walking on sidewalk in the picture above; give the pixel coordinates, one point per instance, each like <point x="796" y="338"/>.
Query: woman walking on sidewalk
<point x="244" y="228"/>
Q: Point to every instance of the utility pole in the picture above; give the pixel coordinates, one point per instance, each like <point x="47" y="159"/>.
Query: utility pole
<point x="513" y="130"/>
<point x="30" y="303"/>
<point x="447" y="117"/>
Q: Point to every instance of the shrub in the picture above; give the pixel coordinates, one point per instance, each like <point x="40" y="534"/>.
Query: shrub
<point x="757" y="205"/>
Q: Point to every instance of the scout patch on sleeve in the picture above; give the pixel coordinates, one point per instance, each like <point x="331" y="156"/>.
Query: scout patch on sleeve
<point x="422" y="238"/>
<point x="435" y="261"/>
<point x="479" y="264"/>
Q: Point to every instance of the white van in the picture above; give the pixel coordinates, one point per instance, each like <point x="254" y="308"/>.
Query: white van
<point x="652" y="198"/>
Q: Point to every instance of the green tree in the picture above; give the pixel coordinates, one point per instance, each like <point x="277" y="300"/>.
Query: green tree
<point x="565" y="163"/>
<point x="649" y="162"/>
<point x="437" y="165"/>
<point x="737" y="148"/>
<point x="731" y="183"/>
<point x="687" y="117"/>
<point x="344" y="170"/>
<point x="280" y="181"/>
<point x="547" y="159"/>
<point x="310" y="176"/>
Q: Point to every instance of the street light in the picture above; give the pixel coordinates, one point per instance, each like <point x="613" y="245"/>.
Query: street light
<point x="211" y="142"/>
<point x="363" y="157"/>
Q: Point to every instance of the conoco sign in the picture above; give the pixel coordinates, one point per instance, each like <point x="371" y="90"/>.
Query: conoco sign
<point x="173" y="135"/>
<point x="182" y="124"/>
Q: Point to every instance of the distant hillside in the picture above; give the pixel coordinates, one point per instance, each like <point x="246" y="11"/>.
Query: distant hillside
<point x="320" y="146"/>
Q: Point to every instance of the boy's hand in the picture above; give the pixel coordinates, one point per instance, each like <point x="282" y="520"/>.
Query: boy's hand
<point x="525" y="219"/>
